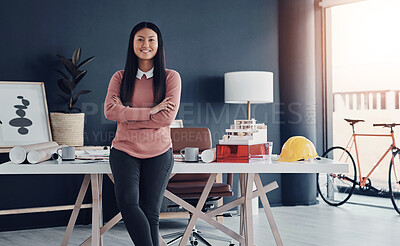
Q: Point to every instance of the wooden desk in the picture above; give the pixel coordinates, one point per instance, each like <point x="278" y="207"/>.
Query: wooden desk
<point x="249" y="172"/>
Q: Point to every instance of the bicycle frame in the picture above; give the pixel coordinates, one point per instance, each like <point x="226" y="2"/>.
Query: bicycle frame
<point x="353" y="142"/>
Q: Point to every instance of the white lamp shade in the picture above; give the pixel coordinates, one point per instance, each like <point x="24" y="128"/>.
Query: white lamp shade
<point x="252" y="86"/>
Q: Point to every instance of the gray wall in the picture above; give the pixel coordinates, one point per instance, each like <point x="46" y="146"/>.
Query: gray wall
<point x="203" y="40"/>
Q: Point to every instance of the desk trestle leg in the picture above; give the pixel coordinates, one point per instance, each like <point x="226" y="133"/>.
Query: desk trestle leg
<point x="268" y="211"/>
<point x="199" y="206"/>
<point x="75" y="211"/>
<point x="95" y="210"/>
<point x="96" y="181"/>
<point x="249" y="209"/>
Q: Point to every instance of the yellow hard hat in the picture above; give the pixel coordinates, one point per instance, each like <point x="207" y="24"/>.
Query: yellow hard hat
<point x="297" y="148"/>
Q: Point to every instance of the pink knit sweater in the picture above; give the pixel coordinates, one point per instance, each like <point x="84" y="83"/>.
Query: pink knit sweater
<point x="140" y="134"/>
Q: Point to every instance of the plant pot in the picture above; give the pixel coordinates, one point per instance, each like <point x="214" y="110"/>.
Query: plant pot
<point x="68" y="129"/>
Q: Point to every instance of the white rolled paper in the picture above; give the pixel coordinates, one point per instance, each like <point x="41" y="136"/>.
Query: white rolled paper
<point x="35" y="156"/>
<point x="209" y="155"/>
<point x="18" y="153"/>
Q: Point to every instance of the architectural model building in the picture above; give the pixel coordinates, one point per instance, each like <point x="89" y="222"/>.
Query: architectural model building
<point x="245" y="132"/>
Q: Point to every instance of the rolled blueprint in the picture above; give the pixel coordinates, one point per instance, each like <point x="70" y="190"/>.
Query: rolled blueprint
<point x="35" y="156"/>
<point x="208" y="155"/>
<point x="18" y="153"/>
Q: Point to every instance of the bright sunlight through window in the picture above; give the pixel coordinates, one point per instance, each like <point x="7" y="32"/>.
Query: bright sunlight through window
<point x="366" y="77"/>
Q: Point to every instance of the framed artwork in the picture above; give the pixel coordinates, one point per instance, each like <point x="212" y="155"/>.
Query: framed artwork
<point x="176" y="124"/>
<point x="24" y="118"/>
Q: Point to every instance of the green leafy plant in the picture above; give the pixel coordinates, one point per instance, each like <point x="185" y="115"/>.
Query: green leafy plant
<point x="67" y="83"/>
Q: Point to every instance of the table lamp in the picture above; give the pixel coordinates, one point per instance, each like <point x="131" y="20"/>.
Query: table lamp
<point x="249" y="87"/>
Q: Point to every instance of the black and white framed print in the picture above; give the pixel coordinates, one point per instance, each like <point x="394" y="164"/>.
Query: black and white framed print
<point x="24" y="117"/>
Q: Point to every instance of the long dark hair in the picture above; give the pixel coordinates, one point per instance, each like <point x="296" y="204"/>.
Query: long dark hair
<point x="131" y="66"/>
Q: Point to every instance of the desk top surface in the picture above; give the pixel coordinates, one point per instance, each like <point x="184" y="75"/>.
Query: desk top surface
<point x="102" y="167"/>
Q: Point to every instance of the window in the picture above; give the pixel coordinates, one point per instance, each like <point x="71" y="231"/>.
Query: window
<point x="362" y="65"/>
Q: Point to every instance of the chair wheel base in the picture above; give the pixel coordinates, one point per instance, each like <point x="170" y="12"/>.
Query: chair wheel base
<point x="195" y="243"/>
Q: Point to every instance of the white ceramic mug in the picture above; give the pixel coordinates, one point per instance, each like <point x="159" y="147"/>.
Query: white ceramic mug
<point x="68" y="153"/>
<point x="190" y="154"/>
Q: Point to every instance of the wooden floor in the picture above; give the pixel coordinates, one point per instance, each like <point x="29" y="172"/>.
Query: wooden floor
<point x="350" y="224"/>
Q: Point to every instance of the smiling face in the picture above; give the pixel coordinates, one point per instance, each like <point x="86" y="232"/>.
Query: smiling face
<point x="145" y="44"/>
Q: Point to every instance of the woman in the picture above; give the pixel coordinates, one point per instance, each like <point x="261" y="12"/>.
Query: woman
<point x="144" y="100"/>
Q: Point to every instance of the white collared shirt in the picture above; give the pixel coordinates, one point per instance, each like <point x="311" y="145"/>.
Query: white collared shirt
<point x="140" y="73"/>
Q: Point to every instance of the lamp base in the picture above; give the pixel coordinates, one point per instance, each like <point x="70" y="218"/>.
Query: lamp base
<point x="248" y="111"/>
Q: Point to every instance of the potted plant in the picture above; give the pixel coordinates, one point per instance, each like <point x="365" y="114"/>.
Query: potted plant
<point x="68" y="126"/>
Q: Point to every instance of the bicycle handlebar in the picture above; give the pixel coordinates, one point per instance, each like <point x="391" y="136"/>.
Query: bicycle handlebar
<point x="387" y="125"/>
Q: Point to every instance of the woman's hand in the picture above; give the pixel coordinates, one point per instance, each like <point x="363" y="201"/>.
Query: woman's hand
<point x="166" y="104"/>
<point x="116" y="99"/>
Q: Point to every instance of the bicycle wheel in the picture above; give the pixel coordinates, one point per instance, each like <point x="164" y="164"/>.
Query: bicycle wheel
<point x="336" y="188"/>
<point x="394" y="181"/>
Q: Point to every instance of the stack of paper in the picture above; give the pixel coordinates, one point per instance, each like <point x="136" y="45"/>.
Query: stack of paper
<point x="96" y="154"/>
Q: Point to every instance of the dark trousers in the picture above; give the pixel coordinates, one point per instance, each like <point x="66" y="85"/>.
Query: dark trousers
<point x="139" y="189"/>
